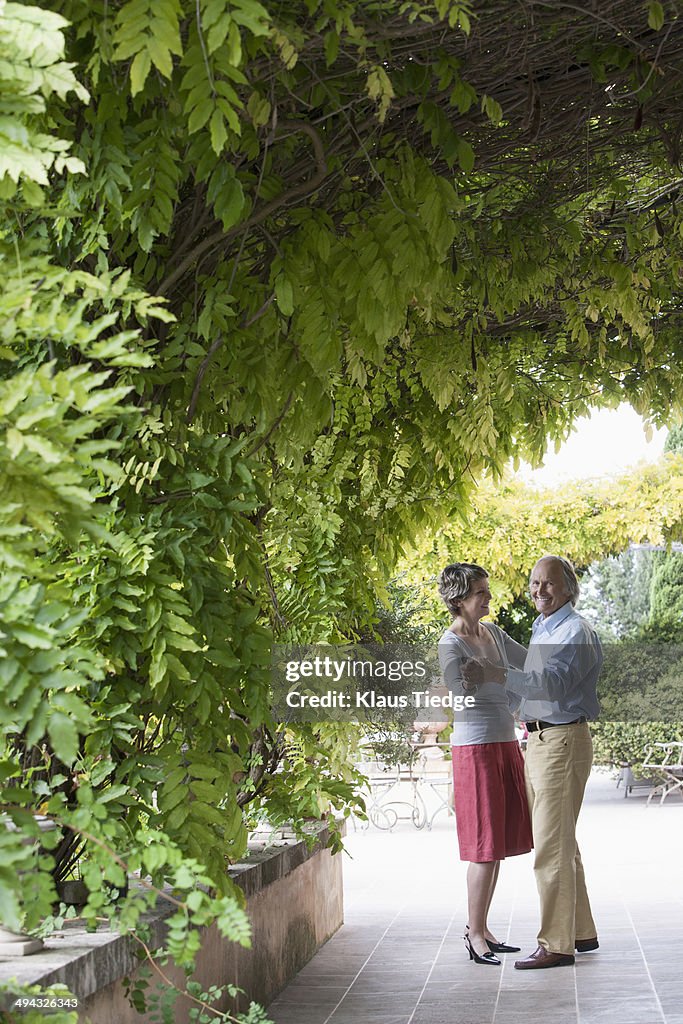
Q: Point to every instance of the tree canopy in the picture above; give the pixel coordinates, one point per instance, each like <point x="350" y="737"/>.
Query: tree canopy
<point x="509" y="527"/>
<point x="400" y="243"/>
<point x="615" y="593"/>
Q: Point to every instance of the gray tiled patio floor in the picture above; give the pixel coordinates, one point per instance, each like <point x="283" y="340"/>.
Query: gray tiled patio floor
<point x="400" y="958"/>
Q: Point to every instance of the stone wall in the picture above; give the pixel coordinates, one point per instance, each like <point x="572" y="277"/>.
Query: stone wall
<point x="294" y="901"/>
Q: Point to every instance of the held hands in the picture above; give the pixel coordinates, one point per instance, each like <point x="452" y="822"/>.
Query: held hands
<point x="472" y="674"/>
<point x="477" y="671"/>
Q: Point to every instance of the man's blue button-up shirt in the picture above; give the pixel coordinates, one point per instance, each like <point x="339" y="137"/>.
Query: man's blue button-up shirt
<point x="559" y="680"/>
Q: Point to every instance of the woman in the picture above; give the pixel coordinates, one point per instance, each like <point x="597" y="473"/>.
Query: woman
<point x="491" y="809"/>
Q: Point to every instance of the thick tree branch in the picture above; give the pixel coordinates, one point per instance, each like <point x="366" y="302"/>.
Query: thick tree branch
<point x="264" y="440"/>
<point x="295" y="192"/>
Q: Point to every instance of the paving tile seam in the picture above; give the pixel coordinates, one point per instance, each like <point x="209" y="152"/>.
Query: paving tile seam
<point x="431" y="969"/>
<point x="339" y="1003"/>
<point x="504" y="960"/>
<point x="632" y="979"/>
<point x="576" y="996"/>
<point x="647" y="966"/>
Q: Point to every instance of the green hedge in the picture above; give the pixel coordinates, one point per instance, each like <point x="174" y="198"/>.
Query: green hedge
<point x="617" y="742"/>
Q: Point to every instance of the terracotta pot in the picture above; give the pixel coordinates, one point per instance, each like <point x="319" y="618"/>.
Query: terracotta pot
<point x="428" y="731"/>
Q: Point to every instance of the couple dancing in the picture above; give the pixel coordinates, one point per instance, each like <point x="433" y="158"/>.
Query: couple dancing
<point x="501" y="798"/>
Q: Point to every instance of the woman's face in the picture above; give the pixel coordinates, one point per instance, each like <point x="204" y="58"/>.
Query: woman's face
<point x="476" y="604"/>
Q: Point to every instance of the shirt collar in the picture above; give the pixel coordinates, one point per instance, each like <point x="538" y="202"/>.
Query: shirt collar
<point x="553" y="621"/>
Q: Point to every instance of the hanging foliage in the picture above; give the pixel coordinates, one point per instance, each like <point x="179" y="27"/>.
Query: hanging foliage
<point x="275" y="292"/>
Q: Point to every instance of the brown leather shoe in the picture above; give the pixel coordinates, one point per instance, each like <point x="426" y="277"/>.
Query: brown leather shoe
<point x="586" y="945"/>
<point x="543" y="958"/>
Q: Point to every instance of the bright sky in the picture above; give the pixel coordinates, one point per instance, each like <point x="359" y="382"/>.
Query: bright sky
<point x="605" y="443"/>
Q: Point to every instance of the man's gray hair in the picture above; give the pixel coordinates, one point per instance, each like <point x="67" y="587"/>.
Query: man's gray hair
<point x="455" y="583"/>
<point x="569" y="572"/>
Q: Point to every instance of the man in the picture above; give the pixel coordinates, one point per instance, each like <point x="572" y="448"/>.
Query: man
<point x="555" y="694"/>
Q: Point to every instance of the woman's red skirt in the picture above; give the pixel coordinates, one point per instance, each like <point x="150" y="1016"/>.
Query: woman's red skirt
<point x="491" y="808"/>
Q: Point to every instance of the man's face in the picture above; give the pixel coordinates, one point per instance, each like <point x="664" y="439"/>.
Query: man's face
<point x="548" y="587"/>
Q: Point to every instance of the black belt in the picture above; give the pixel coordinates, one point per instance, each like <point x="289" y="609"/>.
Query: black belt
<point x="537" y="726"/>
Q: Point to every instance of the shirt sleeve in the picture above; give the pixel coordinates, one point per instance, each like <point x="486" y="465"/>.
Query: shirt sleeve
<point x="562" y="667"/>
<point x="451" y="658"/>
<point x="514" y="652"/>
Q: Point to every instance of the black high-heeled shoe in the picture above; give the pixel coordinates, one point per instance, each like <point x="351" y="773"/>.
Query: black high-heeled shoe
<point x="499" y="947"/>
<point x="502" y="947"/>
<point x="487" y="958"/>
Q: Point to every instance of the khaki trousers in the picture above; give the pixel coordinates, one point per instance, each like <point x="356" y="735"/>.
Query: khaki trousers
<point x="557" y="765"/>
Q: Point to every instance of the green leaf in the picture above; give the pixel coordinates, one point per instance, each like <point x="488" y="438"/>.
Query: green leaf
<point x="463" y="95"/>
<point x="331" y="47"/>
<point x="160" y="56"/>
<point x="492" y="109"/>
<point x="284" y="295"/>
<point x="201" y="113"/>
<point x="218" y="130"/>
<point x="252" y="15"/>
<point x="655" y="15"/>
<point x="34" y="637"/>
<point x="63" y="737"/>
<point x="234" y="48"/>
<point x="195" y="899"/>
<point x="139" y="71"/>
<point x="230" y="203"/>
<point x="111" y="793"/>
<point x="465" y="155"/>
